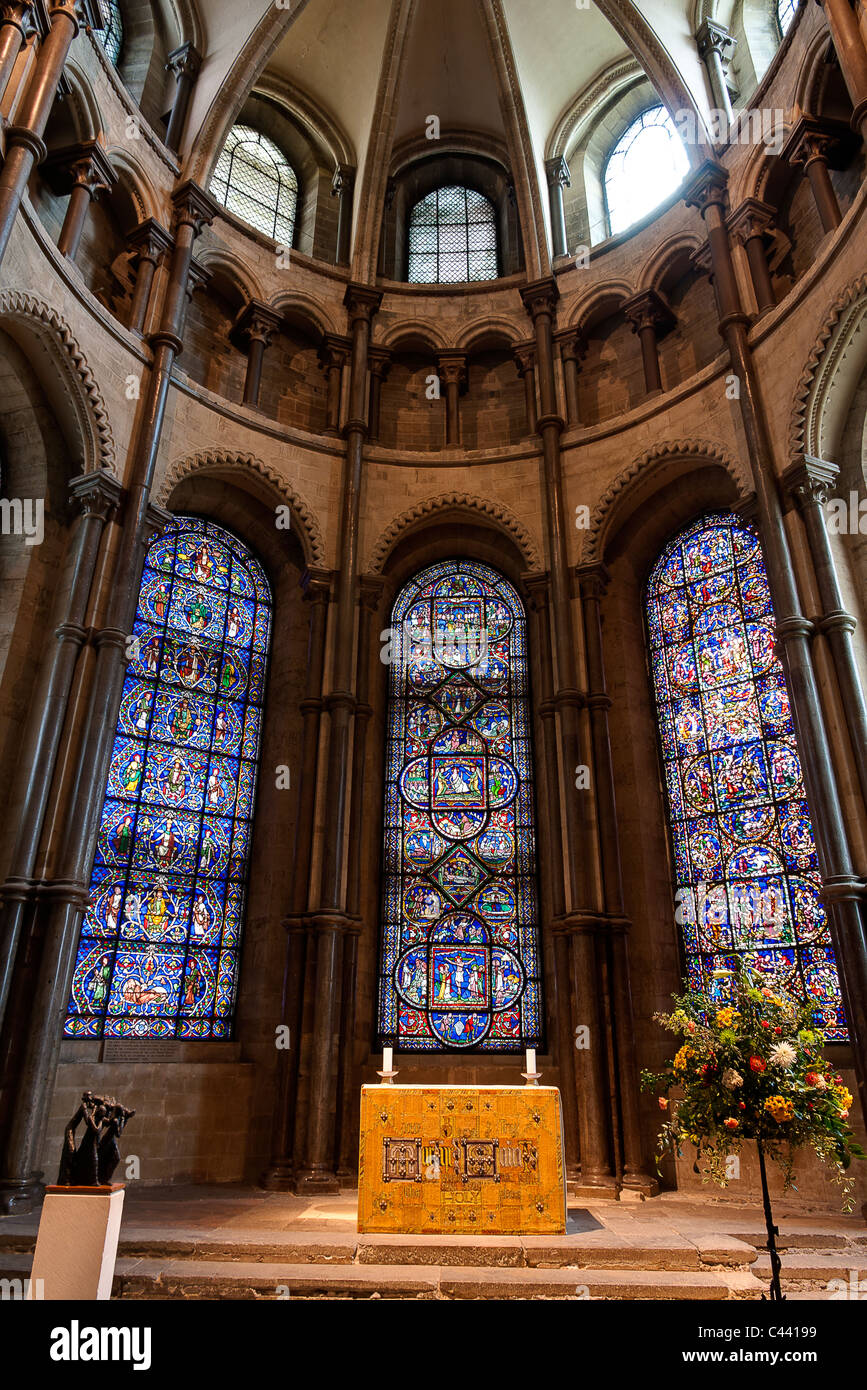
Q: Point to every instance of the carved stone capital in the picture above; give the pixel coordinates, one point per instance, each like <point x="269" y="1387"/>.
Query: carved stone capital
<point x="194" y="207"/>
<point x="538" y="589"/>
<point x="257" y="322"/>
<point x="379" y="362"/>
<point x="316" y="584"/>
<point x="371" y="588"/>
<point x="156" y="521"/>
<point x="557" y="173"/>
<point x="821" y="138"/>
<point x="525" y="357"/>
<point x="200" y="277"/>
<point x="81" y="166"/>
<point x="572" y="343"/>
<point x="185" y="61"/>
<point x="540" y="297"/>
<point x="707" y="187"/>
<point x="150" y="240"/>
<point x="752" y="218"/>
<point x="334" y="351"/>
<point x="343" y="181"/>
<point x="96" y="494"/>
<point x="593" y="579"/>
<point x="16" y="14"/>
<point x="714" y="38"/>
<point x="648" y="310"/>
<point x="361" y="302"/>
<point x="453" y="368"/>
<point x="811" y="481"/>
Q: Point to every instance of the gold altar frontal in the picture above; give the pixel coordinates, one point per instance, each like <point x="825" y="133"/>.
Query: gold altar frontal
<point x="461" y="1160"/>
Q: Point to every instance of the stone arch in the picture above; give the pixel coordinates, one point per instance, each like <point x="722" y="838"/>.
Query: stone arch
<point x="488" y="511"/>
<point x="421" y="332"/>
<point x="673" y="249"/>
<point x="78" y="386"/>
<point x="602" y="299"/>
<point x="652" y="468"/>
<point x="306" y="310"/>
<point x="232" y="268"/>
<point x="225" y="463"/>
<point x="322" y="126"/>
<point x="487" y="328"/>
<point x="834" y="366"/>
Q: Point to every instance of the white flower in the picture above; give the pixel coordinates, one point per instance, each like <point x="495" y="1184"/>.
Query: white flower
<point x="783" y="1055"/>
<point x="731" y="1079"/>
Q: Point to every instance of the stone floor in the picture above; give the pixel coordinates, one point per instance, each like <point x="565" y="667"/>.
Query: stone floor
<point x="230" y="1242"/>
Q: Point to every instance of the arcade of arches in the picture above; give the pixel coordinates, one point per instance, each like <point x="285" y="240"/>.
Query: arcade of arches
<point x="425" y="430"/>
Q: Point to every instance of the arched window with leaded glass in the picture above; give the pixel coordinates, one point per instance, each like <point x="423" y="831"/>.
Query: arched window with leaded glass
<point x="643" y="168"/>
<point x="160" y="942"/>
<point x="112" y="35"/>
<point x="254" y="179"/>
<point x="786" y="11"/>
<point x="744" y="853"/>
<point x="459" y="965"/>
<point x="452" y="238"/>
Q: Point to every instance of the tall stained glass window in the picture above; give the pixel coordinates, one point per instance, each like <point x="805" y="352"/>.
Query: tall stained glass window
<point x="452" y="238"/>
<point x="644" y="168"/>
<point x="254" y="179"/>
<point x="460" y="955"/>
<point x="112" y="35"/>
<point x="159" y="948"/>
<point x="744" y="852"/>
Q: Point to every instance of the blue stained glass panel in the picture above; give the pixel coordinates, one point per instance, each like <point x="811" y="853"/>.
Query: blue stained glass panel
<point x="158" y="954"/>
<point x="459" y="966"/>
<point x="744" y="852"/>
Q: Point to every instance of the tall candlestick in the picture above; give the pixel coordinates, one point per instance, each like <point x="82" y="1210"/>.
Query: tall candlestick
<point x="531" y="1061"/>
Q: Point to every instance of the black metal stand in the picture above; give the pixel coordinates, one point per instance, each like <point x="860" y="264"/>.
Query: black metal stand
<point x="776" y="1295"/>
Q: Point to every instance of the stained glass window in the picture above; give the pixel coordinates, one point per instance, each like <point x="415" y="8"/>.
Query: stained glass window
<point x="452" y="238"/>
<point x="460" y="955"/>
<point x="744" y="852"/>
<point x="255" y="180"/>
<point x="158" y="955"/>
<point x="786" y="10"/>
<point x="644" y="168"/>
<point x="112" y="34"/>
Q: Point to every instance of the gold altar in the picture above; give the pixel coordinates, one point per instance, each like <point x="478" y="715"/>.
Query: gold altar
<point x="461" y="1160"/>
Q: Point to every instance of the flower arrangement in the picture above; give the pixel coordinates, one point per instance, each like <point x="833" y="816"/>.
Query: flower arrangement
<point x="750" y="1067"/>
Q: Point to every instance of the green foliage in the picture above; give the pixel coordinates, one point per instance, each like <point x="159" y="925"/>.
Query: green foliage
<point x="750" y="1066"/>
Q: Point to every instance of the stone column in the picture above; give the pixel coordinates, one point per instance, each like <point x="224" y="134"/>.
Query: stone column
<point x="333" y="356"/>
<point x="750" y="225"/>
<point x="453" y="371"/>
<point x="185" y="63"/>
<point x="256" y="325"/>
<point x="649" y="317"/>
<point x="573" y="349"/>
<point x="370" y="596"/>
<point x="96" y="496"/>
<point x="715" y="48"/>
<point x="343" y="188"/>
<point x="66" y="898"/>
<point x="280" y="1173"/>
<point x="582" y="921"/>
<point x="13" y="33"/>
<point x="24" y="144"/>
<point x="851" y="49"/>
<point x="557" y="173"/>
<point x="151" y="241"/>
<point x="380" y="365"/>
<point x="594" y="580"/>
<point x="331" y="921"/>
<point x="811" y="482"/>
<point x="815" y="143"/>
<point x="525" y="362"/>
<point x="842" y="887"/>
<point x="83" y="171"/>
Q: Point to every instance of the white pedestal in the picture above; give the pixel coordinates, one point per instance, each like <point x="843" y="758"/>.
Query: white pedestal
<point x="76" y="1246"/>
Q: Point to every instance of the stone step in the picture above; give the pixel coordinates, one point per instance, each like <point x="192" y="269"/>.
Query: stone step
<point x="145" y="1279"/>
<point x="816" y="1266"/>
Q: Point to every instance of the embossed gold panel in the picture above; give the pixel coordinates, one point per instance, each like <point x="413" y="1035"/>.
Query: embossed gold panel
<point x="461" y="1160"/>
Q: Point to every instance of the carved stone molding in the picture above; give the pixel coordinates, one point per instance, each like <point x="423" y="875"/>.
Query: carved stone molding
<point x="641" y="467"/>
<point x="221" y="461"/>
<point x="843" y="321"/>
<point x="99" y="448"/>
<point x="451" y="501"/>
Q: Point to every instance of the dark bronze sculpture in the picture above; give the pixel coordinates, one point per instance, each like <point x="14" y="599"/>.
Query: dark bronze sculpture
<point x="93" y="1163"/>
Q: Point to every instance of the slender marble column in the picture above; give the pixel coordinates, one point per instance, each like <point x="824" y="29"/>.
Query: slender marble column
<point x="66" y="898"/>
<point x="557" y="174"/>
<point x="333" y="357"/>
<point x="280" y="1172"/>
<point x="453" y="371"/>
<point x="24" y="144"/>
<point x="525" y="361"/>
<point x="573" y="349"/>
<point x="84" y="172"/>
<point x="185" y="62"/>
<point x="649" y="317"/>
<point x="331" y="921"/>
<point x="342" y="188"/>
<point x="257" y="325"/>
<point x="750" y="225"/>
<point x="96" y="495"/>
<point x="715" y="48"/>
<point x="842" y="887"/>
<point x="13" y="34"/>
<point x="851" y="49"/>
<point x="811" y="482"/>
<point x="151" y="242"/>
<point x="813" y="143"/>
<point x="380" y="365"/>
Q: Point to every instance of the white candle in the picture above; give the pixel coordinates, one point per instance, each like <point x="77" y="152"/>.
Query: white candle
<point x="386" y="1059"/>
<point x="531" y="1061"/>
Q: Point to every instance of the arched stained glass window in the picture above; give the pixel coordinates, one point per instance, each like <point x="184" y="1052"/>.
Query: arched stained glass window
<point x="255" y="180"/>
<point x="112" y="34"/>
<point x="460" y="956"/>
<point x="452" y="238"/>
<point x="158" y="956"/>
<point x="644" y="168"/>
<point x="786" y="11"/>
<point x="744" y="852"/>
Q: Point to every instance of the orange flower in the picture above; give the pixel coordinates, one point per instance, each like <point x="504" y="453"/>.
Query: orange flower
<point x="756" y="1064"/>
<point x="731" y="1123"/>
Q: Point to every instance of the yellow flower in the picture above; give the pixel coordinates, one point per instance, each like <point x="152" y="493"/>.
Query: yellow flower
<point x="843" y="1097"/>
<point x="780" y="1108"/>
<point x="726" y="1017"/>
<point x="682" y="1058"/>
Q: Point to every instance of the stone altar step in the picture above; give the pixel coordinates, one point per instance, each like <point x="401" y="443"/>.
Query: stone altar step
<point x="146" y="1279"/>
